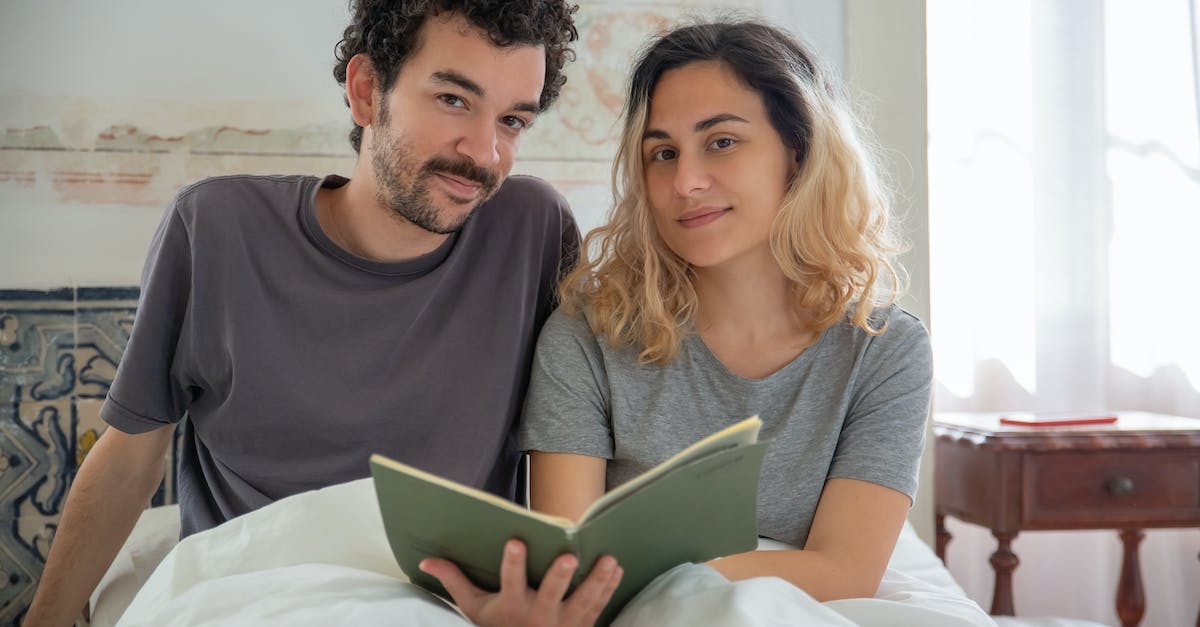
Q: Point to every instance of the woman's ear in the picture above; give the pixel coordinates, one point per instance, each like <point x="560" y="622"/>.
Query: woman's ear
<point x="360" y="89"/>
<point x="794" y="164"/>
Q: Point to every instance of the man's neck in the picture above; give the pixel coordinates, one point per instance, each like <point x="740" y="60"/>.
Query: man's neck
<point x="353" y="218"/>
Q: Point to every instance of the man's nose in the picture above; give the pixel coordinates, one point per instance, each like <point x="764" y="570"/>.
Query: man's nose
<point x="480" y="144"/>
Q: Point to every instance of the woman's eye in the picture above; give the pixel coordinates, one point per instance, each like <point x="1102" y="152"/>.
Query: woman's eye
<point x="724" y="142"/>
<point x="666" y="154"/>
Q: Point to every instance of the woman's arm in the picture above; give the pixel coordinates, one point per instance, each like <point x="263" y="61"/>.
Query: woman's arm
<point x="565" y="484"/>
<point x="853" y="534"/>
<point x="858" y="518"/>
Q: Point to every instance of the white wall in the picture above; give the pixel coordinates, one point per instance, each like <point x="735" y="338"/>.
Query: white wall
<point x="78" y="210"/>
<point x="168" y="68"/>
<point x="885" y="62"/>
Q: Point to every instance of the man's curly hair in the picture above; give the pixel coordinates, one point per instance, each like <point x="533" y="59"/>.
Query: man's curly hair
<point x="386" y="31"/>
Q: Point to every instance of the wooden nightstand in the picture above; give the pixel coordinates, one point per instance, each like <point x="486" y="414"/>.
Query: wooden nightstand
<point x="1141" y="472"/>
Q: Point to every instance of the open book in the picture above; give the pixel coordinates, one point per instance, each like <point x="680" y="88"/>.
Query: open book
<point x="698" y="505"/>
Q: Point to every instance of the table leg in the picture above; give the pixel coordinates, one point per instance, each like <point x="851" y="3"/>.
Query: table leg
<point x="943" y="536"/>
<point x="1004" y="562"/>
<point x="1131" y="600"/>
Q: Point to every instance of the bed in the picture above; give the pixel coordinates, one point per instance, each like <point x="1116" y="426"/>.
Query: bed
<point x="321" y="558"/>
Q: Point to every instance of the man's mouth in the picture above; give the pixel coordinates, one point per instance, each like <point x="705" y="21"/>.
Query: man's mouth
<point x="460" y="186"/>
<point x="463" y="176"/>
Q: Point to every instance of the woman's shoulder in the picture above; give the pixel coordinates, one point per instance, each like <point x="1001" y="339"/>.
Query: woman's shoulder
<point x="897" y="328"/>
<point x="563" y="329"/>
<point x="903" y="338"/>
<point x="901" y="321"/>
<point x="564" y="323"/>
<point x="569" y="332"/>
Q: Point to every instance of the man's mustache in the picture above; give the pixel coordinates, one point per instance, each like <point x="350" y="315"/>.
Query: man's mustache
<point x="464" y="169"/>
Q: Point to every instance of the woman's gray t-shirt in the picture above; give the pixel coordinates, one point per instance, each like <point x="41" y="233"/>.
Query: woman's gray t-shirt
<point x="852" y="405"/>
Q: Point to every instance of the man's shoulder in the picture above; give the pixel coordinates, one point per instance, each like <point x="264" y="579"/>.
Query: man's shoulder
<point x="229" y="190"/>
<point x="530" y="193"/>
<point x="526" y="209"/>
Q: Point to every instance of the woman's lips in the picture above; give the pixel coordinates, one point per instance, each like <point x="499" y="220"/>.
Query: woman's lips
<point x="700" y="217"/>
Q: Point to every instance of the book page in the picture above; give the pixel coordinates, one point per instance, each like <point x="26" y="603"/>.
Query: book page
<point x="740" y="434"/>
<point x="392" y="464"/>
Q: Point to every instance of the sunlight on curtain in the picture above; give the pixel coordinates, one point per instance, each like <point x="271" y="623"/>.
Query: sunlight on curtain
<point x="981" y="209"/>
<point x="1064" y="163"/>
<point x="1064" y="203"/>
<point x="1154" y="162"/>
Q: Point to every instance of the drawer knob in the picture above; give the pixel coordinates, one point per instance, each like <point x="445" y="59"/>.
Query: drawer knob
<point x="1120" y="486"/>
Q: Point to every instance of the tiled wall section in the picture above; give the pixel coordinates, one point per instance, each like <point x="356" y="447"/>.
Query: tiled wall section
<point x="58" y="354"/>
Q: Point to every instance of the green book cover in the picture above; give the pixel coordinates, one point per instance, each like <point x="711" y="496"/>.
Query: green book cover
<point x="698" y="505"/>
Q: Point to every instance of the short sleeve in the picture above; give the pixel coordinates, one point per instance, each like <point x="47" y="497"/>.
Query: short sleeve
<point x="884" y="434"/>
<point x="569" y="252"/>
<point x="566" y="407"/>
<point x="145" y="393"/>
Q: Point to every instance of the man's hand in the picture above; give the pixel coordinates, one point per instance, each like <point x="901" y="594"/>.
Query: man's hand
<point x="519" y="605"/>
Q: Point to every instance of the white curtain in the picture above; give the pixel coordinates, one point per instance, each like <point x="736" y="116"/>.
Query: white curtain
<point x="1064" y="168"/>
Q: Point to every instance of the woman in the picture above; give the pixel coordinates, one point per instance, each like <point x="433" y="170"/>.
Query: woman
<point x="746" y="269"/>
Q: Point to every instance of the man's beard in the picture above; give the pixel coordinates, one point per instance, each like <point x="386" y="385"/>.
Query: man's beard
<point x="404" y="186"/>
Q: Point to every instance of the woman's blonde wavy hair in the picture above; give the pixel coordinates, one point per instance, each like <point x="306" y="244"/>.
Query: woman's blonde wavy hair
<point x="831" y="236"/>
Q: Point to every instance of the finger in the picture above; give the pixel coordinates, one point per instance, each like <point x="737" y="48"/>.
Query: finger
<point x="593" y="594"/>
<point x="590" y="617"/>
<point x="554" y="585"/>
<point x="513" y="586"/>
<point x="466" y="596"/>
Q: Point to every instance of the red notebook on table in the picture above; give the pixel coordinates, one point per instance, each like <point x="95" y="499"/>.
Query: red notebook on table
<point x="1056" y="419"/>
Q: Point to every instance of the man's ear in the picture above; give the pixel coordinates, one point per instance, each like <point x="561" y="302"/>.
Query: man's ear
<point x="360" y="89"/>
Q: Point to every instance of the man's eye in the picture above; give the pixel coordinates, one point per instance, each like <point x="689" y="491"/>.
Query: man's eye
<point x="452" y="100"/>
<point x="514" y="122"/>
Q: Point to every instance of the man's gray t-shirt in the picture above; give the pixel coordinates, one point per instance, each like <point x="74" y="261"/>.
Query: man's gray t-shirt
<point x="294" y="360"/>
<point x="852" y="405"/>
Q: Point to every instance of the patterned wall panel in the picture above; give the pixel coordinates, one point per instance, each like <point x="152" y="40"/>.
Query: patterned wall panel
<point x="58" y="354"/>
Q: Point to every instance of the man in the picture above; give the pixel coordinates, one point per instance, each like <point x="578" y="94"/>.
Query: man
<point x="302" y="324"/>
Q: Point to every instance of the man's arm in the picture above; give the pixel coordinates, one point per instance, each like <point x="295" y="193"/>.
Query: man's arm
<point x="113" y="485"/>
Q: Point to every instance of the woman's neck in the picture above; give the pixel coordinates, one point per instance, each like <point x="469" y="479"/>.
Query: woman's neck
<point x="747" y="316"/>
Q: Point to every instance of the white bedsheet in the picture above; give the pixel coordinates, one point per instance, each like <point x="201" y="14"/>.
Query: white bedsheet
<point x="321" y="558"/>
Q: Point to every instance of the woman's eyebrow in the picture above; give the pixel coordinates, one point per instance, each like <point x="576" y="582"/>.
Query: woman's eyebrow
<point x="702" y="125"/>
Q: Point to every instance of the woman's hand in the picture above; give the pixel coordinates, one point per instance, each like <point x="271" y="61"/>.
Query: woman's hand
<point x="519" y="605"/>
